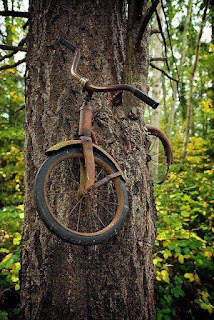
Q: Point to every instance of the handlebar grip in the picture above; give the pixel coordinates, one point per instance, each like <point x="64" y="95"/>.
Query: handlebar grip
<point x="142" y="96"/>
<point x="67" y="44"/>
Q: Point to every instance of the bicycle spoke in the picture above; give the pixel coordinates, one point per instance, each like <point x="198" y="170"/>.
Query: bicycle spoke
<point x="158" y="165"/>
<point x="107" y="191"/>
<point x="154" y="163"/>
<point x="97" y="176"/>
<point x="101" y="200"/>
<point x="78" y="221"/>
<point x="98" y="217"/>
<point x="91" y="221"/>
<point x="154" y="154"/>
<point x="106" y="209"/>
<point x="153" y="143"/>
<point x="55" y="193"/>
<point x="72" y="177"/>
<point x="71" y="174"/>
<point x="76" y="205"/>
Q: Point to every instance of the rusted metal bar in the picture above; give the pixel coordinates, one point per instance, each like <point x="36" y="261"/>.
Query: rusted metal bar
<point x="89" y="161"/>
<point x="85" y="120"/>
<point x="105" y="180"/>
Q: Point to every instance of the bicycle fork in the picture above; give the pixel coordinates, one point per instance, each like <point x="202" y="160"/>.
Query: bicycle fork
<point x="87" y="166"/>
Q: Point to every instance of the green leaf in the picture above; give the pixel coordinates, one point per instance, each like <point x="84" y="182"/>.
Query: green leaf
<point x="181" y="258"/>
<point x="185" y="214"/>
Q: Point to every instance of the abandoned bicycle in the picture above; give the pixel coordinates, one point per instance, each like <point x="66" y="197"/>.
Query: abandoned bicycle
<point x="80" y="189"/>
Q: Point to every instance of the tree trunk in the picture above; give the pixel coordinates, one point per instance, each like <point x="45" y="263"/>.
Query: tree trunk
<point x="189" y="102"/>
<point x="9" y="41"/>
<point x="172" y="110"/>
<point x="157" y="51"/>
<point x="113" y="280"/>
<point x="164" y="100"/>
<point x="180" y="69"/>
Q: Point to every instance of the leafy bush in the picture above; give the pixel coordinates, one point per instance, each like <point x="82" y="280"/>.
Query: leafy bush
<point x="11" y="165"/>
<point x="10" y="235"/>
<point x="11" y="216"/>
<point x="183" y="248"/>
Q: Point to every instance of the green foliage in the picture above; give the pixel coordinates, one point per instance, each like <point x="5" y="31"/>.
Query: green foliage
<point x="10" y="234"/>
<point x="11" y="165"/>
<point x="12" y="95"/>
<point x="183" y="247"/>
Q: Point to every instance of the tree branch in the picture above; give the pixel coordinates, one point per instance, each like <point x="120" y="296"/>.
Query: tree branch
<point x="8" y="13"/>
<point x="145" y="22"/>
<point x="164" y="72"/>
<point x="25" y="25"/>
<point x="162" y="35"/>
<point x="169" y="37"/>
<point x="22" y="42"/>
<point x="14" y="48"/>
<point x="158" y="59"/>
<point x="154" y="31"/>
<point x="5" y="67"/>
<point x="20" y="108"/>
<point x="165" y="48"/>
<point x="9" y="55"/>
<point x="199" y="38"/>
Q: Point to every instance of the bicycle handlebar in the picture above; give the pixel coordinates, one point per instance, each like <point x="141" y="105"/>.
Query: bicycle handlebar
<point x="92" y="88"/>
<point x="142" y="96"/>
<point x="67" y="44"/>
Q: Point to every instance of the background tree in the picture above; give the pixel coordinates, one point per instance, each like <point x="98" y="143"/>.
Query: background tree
<point x="157" y="52"/>
<point x="11" y="164"/>
<point x="190" y="111"/>
<point x="183" y="253"/>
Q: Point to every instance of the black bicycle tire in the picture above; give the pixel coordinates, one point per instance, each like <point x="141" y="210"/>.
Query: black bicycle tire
<point x="48" y="218"/>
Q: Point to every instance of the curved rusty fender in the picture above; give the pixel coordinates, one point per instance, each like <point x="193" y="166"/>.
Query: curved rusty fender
<point x="64" y="144"/>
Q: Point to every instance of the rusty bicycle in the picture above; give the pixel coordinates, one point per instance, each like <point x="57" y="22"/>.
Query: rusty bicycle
<point x="80" y="190"/>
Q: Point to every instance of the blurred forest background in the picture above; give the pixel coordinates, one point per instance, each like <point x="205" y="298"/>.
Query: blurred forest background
<point x="181" y="31"/>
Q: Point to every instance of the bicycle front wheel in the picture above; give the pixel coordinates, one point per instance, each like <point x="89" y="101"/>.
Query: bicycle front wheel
<point x="79" y="219"/>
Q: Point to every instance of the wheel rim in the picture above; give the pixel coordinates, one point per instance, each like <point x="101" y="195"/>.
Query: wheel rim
<point x="157" y="160"/>
<point x="91" y="214"/>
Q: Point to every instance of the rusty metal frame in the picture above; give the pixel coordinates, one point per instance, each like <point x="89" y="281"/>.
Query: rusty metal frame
<point x="89" y="161"/>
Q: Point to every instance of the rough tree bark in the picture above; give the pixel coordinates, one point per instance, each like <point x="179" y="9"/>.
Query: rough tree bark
<point x="113" y="280"/>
